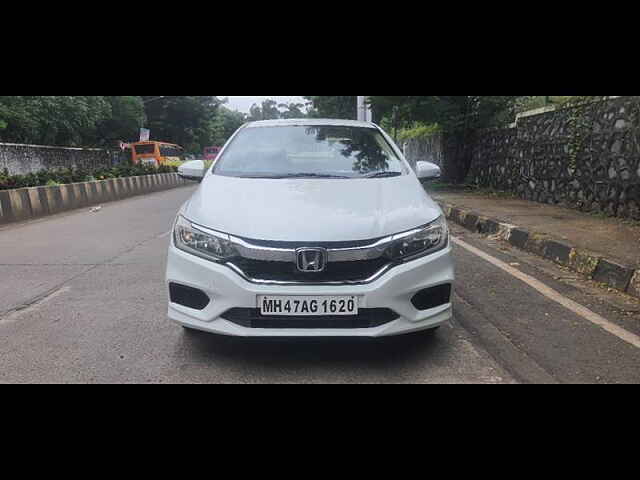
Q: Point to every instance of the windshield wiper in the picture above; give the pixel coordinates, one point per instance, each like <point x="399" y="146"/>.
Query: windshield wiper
<point x="309" y="175"/>
<point x="384" y="174"/>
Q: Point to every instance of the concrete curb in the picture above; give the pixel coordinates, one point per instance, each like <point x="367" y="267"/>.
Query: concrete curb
<point x="27" y="203"/>
<point x="579" y="260"/>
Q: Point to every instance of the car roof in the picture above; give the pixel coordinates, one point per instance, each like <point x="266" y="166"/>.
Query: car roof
<point x="327" y="122"/>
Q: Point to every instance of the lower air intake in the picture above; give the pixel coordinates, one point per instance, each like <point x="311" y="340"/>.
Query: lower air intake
<point x="188" y="296"/>
<point x="432" y="297"/>
<point x="366" y="318"/>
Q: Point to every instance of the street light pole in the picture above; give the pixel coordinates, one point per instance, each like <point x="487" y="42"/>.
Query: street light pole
<point x="364" y="110"/>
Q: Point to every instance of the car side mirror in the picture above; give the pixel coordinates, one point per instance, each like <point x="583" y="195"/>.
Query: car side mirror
<point x="193" y="170"/>
<point x="428" y="171"/>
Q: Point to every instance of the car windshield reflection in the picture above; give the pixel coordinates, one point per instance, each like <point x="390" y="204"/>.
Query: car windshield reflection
<point x="309" y="152"/>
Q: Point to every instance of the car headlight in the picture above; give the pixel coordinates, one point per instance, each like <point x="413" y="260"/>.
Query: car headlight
<point x="420" y="242"/>
<point x="209" y="245"/>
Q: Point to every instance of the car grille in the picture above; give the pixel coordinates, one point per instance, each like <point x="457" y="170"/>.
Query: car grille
<point x="366" y="318"/>
<point x="288" y="271"/>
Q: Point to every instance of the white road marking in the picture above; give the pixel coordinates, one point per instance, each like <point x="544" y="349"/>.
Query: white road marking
<point x="552" y="294"/>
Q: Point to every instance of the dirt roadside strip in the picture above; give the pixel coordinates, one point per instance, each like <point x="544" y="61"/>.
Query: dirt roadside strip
<point x="594" y="266"/>
<point x="28" y="203"/>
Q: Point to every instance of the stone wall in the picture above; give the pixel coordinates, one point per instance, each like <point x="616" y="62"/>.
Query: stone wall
<point x="582" y="157"/>
<point x="23" y="159"/>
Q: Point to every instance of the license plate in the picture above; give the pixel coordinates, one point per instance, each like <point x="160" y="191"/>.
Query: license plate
<point x="307" y="306"/>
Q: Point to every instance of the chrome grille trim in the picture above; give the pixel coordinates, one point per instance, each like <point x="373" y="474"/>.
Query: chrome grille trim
<point x="259" y="281"/>
<point x="252" y="251"/>
<point x="257" y="252"/>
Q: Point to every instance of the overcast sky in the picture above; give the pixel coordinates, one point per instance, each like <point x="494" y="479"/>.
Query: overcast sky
<point x="243" y="104"/>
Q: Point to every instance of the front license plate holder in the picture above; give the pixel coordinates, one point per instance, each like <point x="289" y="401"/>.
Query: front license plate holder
<point x="307" y="306"/>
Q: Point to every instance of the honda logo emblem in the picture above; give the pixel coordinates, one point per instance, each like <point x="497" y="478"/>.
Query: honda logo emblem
<point x="311" y="260"/>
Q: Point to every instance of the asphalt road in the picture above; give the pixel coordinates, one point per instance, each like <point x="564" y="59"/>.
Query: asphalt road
<point x="82" y="300"/>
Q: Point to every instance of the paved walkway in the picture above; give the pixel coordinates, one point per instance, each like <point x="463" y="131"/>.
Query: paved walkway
<point x="611" y="237"/>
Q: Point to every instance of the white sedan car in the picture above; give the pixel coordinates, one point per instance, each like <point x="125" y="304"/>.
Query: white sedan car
<point x="310" y="228"/>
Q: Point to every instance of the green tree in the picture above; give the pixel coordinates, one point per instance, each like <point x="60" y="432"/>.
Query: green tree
<point x="4" y="114"/>
<point x="333" y="107"/>
<point x="225" y="124"/>
<point x="255" y="113"/>
<point x="292" y="110"/>
<point x="270" y="110"/>
<point x="86" y="121"/>
<point x="184" y="120"/>
<point x="124" y="123"/>
<point x="267" y="110"/>
<point x="53" y="120"/>
<point x="17" y="118"/>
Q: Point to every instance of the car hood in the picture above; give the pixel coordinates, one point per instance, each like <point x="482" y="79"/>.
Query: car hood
<point x="322" y="210"/>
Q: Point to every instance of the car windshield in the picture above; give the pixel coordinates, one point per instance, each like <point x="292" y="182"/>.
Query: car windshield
<point x="309" y="151"/>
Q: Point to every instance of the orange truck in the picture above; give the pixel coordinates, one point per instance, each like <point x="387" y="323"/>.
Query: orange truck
<point x="156" y="153"/>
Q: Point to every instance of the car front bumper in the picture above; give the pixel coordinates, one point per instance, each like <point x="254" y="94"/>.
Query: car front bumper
<point x="227" y="290"/>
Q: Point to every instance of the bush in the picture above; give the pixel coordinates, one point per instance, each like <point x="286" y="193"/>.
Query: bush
<point x="418" y="131"/>
<point x="175" y="163"/>
<point x="75" y="175"/>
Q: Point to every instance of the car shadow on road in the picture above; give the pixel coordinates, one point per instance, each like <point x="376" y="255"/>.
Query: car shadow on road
<point x="300" y="353"/>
